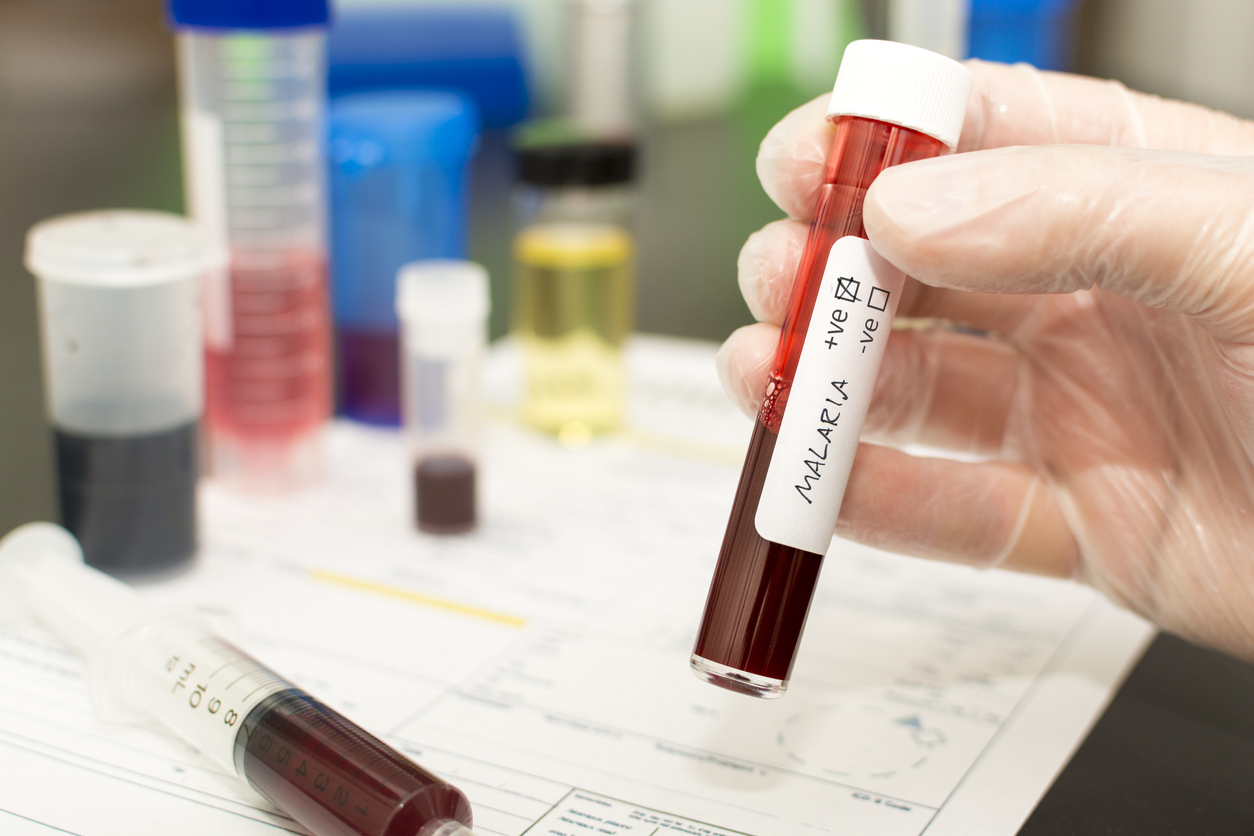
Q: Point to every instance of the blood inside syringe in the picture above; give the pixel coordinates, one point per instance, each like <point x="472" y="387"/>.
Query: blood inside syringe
<point x="335" y="778"/>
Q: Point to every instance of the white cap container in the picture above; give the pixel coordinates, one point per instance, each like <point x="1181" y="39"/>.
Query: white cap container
<point x="120" y="299"/>
<point x="123" y="362"/>
<point x="903" y="85"/>
<point x="444" y="303"/>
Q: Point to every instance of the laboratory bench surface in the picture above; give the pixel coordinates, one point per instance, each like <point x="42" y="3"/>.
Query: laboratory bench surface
<point x="1173" y="755"/>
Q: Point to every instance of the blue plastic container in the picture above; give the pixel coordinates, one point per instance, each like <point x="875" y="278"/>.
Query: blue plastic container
<point x="1035" y="31"/>
<point x="398" y="187"/>
<point x="476" y="50"/>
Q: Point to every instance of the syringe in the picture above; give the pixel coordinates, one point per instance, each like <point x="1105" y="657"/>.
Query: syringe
<point x="317" y="766"/>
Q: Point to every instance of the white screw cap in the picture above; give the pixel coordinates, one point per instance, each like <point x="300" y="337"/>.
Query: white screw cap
<point x="443" y="307"/>
<point x="120" y="248"/>
<point x="438" y="290"/>
<point x="903" y="85"/>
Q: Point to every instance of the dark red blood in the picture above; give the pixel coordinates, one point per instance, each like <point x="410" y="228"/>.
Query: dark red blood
<point x="336" y="779"/>
<point x="761" y="590"/>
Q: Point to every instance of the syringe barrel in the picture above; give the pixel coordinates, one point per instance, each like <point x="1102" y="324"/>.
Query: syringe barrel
<point x="178" y="671"/>
<point x="327" y="773"/>
<point x="319" y="767"/>
<point x="145" y="664"/>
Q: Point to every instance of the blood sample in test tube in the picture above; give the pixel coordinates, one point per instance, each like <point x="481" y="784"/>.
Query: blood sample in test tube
<point x="892" y="104"/>
<point x="253" y="98"/>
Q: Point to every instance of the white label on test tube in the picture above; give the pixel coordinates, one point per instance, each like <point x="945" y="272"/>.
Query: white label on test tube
<point x="197" y="684"/>
<point x="818" y="436"/>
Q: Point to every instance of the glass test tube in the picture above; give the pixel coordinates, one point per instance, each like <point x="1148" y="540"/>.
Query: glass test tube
<point x="892" y="104"/>
<point x="119" y="295"/>
<point x="253" y="97"/>
<point x="574" y="284"/>
<point x="443" y="308"/>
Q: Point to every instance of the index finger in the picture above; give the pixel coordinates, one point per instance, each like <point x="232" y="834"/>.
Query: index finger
<point x="1021" y="105"/>
<point x="1013" y="105"/>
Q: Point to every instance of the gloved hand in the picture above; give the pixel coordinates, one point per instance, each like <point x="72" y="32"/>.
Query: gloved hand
<point x="1105" y="240"/>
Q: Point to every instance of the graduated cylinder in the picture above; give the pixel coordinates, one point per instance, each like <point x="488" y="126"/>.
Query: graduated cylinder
<point x="253" y="98"/>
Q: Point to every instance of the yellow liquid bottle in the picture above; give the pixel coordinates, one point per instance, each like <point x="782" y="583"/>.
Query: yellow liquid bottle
<point x="573" y="308"/>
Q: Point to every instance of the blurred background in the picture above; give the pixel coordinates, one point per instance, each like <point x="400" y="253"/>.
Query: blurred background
<point x="89" y="120"/>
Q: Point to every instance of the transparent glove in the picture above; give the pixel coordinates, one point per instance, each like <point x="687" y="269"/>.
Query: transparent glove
<point x="1111" y="408"/>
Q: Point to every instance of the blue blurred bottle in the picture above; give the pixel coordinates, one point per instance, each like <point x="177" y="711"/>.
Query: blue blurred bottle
<point x="1036" y="31"/>
<point x="474" y="49"/>
<point x="398" y="194"/>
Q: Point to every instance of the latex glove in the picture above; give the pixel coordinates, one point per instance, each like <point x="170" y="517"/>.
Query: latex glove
<point x="1114" y="400"/>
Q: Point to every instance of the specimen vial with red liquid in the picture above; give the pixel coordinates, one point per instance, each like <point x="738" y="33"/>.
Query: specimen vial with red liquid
<point x="892" y="104"/>
<point x="119" y="294"/>
<point x="253" y="98"/>
<point x="443" y="309"/>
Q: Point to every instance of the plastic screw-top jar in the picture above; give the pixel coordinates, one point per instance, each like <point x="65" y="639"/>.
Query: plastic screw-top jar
<point x="253" y="97"/>
<point x="399" y="188"/>
<point x="120" y="303"/>
<point x="574" y="290"/>
<point x="443" y="307"/>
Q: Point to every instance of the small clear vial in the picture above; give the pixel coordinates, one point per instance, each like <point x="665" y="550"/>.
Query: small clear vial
<point x="892" y="104"/>
<point x="443" y="308"/>
<point x="574" y="289"/>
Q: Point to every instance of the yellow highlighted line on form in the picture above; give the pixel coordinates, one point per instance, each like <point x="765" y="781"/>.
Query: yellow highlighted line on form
<point x="416" y="598"/>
